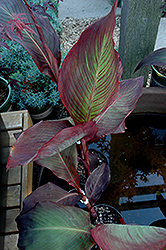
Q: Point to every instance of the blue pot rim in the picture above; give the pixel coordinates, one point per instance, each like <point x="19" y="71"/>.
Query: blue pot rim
<point x="2" y="80"/>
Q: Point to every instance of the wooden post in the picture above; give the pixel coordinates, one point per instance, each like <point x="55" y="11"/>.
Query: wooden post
<point x="138" y="31"/>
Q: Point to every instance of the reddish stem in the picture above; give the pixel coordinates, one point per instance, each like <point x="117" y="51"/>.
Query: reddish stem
<point x="85" y="156"/>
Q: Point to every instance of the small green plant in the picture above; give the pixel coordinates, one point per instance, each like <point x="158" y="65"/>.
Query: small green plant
<point x="164" y="9"/>
<point x="31" y="89"/>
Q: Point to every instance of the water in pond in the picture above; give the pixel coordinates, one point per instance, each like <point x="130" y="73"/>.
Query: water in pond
<point x="137" y="160"/>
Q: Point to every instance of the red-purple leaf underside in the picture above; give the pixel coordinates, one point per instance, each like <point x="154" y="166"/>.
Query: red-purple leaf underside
<point x="44" y="54"/>
<point x="157" y="57"/>
<point x="32" y="139"/>
<point x="129" y="237"/>
<point x="66" y="138"/>
<point x="52" y="193"/>
<point x="97" y="182"/>
<point x="93" y="161"/>
<point x="91" y="71"/>
<point x="112" y="120"/>
<point x="63" y="165"/>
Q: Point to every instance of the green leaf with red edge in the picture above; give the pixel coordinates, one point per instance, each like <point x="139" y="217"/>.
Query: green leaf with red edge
<point x="64" y="165"/>
<point x="32" y="139"/>
<point x="97" y="182"/>
<point x="157" y="57"/>
<point x="53" y="226"/>
<point x="66" y="138"/>
<point x="52" y="193"/>
<point x="129" y="237"/>
<point x="43" y="47"/>
<point x="112" y="120"/>
<point x="91" y="71"/>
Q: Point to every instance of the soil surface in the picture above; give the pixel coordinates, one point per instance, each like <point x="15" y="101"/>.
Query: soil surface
<point x="161" y="70"/>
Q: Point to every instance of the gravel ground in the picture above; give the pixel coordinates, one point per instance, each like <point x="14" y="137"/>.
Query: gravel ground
<point x="73" y="27"/>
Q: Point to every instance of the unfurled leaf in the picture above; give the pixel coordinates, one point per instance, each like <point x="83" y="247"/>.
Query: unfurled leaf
<point x="52" y="193"/>
<point x="157" y="57"/>
<point x="113" y="119"/>
<point x="32" y="139"/>
<point x="66" y="138"/>
<point x="43" y="47"/>
<point x="16" y="23"/>
<point x="97" y="182"/>
<point x="53" y="226"/>
<point x="91" y="71"/>
<point x="129" y="237"/>
<point x="64" y="165"/>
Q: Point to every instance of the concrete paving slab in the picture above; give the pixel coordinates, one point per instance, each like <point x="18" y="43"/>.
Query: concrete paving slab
<point x="98" y="8"/>
<point x="84" y="8"/>
<point x="161" y="36"/>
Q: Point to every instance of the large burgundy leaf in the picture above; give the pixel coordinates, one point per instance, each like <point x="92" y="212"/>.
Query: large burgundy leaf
<point x="31" y="140"/>
<point x="66" y="138"/>
<point x="129" y="237"/>
<point x="112" y="120"/>
<point x="43" y="47"/>
<point x="97" y="182"/>
<point x="52" y="193"/>
<point x="53" y="226"/>
<point x="91" y="71"/>
<point x="157" y="57"/>
<point x="64" y="165"/>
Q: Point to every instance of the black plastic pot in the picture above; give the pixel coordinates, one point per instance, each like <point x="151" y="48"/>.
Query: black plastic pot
<point x="106" y="215"/>
<point x="157" y="79"/>
<point x="40" y="114"/>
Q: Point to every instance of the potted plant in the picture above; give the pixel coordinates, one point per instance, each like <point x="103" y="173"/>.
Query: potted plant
<point x="158" y="78"/>
<point x="5" y="93"/>
<point x="98" y="103"/>
<point x="157" y="60"/>
<point x="34" y="91"/>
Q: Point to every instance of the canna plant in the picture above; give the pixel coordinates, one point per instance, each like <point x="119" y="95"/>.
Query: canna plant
<point x="98" y="103"/>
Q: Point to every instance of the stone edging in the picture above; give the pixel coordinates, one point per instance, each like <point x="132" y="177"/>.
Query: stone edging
<point x="153" y="100"/>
